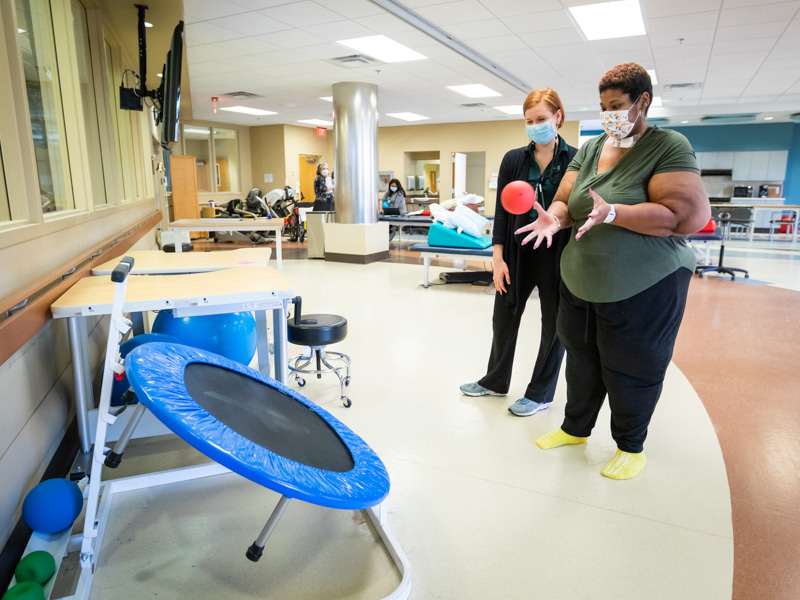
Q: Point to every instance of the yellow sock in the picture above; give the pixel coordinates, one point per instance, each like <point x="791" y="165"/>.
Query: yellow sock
<point x="624" y="465"/>
<point x="554" y="439"/>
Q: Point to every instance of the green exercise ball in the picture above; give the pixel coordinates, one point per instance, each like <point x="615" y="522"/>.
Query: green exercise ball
<point x="37" y="566"/>
<point x="27" y="590"/>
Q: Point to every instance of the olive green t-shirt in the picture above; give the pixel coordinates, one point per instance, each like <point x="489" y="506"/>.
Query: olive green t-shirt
<point x="611" y="263"/>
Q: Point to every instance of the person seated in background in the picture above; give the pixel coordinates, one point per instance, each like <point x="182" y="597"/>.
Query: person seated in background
<point x="323" y="192"/>
<point x="395" y="197"/>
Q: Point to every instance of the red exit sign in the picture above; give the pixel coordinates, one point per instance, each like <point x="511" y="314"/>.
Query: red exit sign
<point x="321" y="131"/>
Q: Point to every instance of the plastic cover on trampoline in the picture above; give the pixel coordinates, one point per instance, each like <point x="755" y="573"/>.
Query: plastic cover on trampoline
<point x="256" y="426"/>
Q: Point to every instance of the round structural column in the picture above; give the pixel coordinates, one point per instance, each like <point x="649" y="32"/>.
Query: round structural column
<point x="355" y="142"/>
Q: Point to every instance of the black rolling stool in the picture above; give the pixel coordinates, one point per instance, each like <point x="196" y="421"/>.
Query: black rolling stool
<point x="314" y="332"/>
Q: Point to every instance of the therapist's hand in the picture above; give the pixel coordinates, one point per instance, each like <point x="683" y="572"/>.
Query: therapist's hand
<point x="501" y="275"/>
<point x="598" y="214"/>
<point x="543" y="228"/>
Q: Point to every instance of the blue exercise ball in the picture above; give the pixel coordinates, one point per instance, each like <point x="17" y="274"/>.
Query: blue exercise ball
<point x="53" y="505"/>
<point x="121" y="384"/>
<point x="233" y="335"/>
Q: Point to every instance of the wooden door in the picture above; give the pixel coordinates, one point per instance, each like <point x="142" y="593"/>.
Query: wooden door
<point x="306" y="177"/>
<point x="185" y="202"/>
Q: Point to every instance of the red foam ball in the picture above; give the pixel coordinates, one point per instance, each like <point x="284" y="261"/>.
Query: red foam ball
<point x="517" y="197"/>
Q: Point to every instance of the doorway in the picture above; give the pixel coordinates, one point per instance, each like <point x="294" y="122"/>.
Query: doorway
<point x="307" y="173"/>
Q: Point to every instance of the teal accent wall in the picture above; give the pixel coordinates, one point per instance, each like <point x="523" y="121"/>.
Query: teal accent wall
<point x="791" y="185"/>
<point x="739" y="138"/>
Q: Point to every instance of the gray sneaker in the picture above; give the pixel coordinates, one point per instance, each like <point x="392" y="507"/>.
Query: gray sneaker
<point x="525" y="408"/>
<point x="474" y="389"/>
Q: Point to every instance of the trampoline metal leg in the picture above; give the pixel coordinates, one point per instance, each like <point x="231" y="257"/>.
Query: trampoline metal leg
<point x="255" y="550"/>
<point x="115" y="456"/>
<point x="281" y="343"/>
<point x="262" y="343"/>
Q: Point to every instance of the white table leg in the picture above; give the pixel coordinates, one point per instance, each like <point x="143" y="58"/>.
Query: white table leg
<point x="178" y="241"/>
<point x="427" y="262"/>
<point x="280" y="343"/>
<point x="263" y="342"/>
<point x="82" y="375"/>
<point x="278" y="236"/>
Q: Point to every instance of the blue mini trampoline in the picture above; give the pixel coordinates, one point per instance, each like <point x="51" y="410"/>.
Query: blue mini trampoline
<point x="258" y="428"/>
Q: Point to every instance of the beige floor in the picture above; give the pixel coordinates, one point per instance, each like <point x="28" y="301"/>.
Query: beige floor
<point x="479" y="510"/>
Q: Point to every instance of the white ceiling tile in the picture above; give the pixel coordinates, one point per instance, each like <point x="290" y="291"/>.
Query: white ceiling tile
<point x="354" y="9"/>
<point x="198" y="54"/>
<point x="740" y="3"/>
<point x="794" y="27"/>
<point x="206" y="33"/>
<point x="489" y="45"/>
<point x="764" y="13"/>
<point x="749" y="32"/>
<point x="477" y="30"/>
<point x="453" y="13"/>
<point x="244" y="46"/>
<point x="284" y="57"/>
<point x="659" y="8"/>
<point x="295" y="38"/>
<point x="631" y="44"/>
<point x="510" y="8"/>
<point x="555" y="37"/>
<point x="344" y="30"/>
<point x="687" y="38"/>
<point x="324" y="51"/>
<point x="756" y="45"/>
<point x="203" y="10"/>
<point x="258" y="4"/>
<point x="302" y="14"/>
<point x="680" y="24"/>
<point x="250" y="24"/>
<point x="690" y="54"/>
<point x="786" y="47"/>
<point x="385" y="23"/>
<point x="540" y="21"/>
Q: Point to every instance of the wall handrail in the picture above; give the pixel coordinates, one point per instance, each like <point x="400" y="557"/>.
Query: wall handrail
<point x="25" y="312"/>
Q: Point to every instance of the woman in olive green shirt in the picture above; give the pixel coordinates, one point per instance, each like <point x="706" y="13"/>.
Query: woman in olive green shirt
<point x="628" y="195"/>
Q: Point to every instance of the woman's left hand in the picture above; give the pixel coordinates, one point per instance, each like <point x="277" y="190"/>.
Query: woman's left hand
<point x="599" y="213"/>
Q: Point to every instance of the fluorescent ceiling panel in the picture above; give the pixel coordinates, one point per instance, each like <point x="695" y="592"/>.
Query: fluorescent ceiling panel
<point x="407" y="116"/>
<point x="326" y="98"/>
<point x="197" y="131"/>
<point x="657" y="101"/>
<point x="317" y="122"/>
<point x="247" y="110"/>
<point x="653" y="78"/>
<point x="509" y="110"/>
<point x="382" y="48"/>
<point x="475" y="90"/>
<point x="609" y="20"/>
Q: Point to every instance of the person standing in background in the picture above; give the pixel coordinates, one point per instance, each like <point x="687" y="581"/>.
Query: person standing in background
<point x="323" y="192"/>
<point x="519" y="269"/>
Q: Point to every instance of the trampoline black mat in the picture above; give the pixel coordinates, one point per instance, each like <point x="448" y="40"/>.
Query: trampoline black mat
<point x="267" y="417"/>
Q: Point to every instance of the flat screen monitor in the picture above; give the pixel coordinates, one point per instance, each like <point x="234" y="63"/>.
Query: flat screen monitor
<point x="171" y="91"/>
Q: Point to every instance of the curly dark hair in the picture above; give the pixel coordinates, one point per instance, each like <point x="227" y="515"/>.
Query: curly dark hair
<point x="631" y="79"/>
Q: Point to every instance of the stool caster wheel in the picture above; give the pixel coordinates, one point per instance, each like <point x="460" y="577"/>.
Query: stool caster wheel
<point x="301" y="382"/>
<point x="347" y="402"/>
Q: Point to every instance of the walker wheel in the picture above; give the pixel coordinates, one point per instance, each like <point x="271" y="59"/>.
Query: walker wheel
<point x="301" y="382"/>
<point x="347" y="402"/>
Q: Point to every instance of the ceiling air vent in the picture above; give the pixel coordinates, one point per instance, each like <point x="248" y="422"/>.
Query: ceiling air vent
<point x="241" y="95"/>
<point x="474" y="105"/>
<point x="354" y="60"/>
<point x="681" y="86"/>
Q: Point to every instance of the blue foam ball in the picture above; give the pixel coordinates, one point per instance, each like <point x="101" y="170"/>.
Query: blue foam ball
<point x="233" y="335"/>
<point x="52" y="506"/>
<point x="121" y="386"/>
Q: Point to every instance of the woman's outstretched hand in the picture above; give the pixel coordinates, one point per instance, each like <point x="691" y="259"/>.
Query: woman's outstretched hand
<point x="598" y="214"/>
<point x="543" y="228"/>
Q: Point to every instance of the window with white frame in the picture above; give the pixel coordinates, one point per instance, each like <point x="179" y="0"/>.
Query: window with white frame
<point x="36" y="43"/>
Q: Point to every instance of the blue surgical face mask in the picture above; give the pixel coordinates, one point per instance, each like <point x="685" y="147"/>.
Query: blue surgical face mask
<point x="393" y="188"/>
<point x="542" y="133"/>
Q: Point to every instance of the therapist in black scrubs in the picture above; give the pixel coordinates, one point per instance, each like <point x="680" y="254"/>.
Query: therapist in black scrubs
<point x="519" y="269"/>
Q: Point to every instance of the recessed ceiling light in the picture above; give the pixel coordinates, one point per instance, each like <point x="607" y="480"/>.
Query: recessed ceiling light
<point x="475" y="90"/>
<point x="326" y="98"/>
<point x="317" y="122"/>
<point x="247" y="110"/>
<point x="195" y="130"/>
<point x="684" y="122"/>
<point x="768" y="118"/>
<point x="160" y="75"/>
<point x="407" y="116"/>
<point x="653" y="78"/>
<point x="382" y="48"/>
<point x="146" y="24"/>
<point x="21" y="30"/>
<point x="510" y="110"/>
<point x="609" y="20"/>
<point x="657" y="101"/>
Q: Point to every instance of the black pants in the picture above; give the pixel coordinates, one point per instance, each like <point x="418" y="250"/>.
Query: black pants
<point x="324" y="204"/>
<point x="539" y="269"/>
<point x="621" y="349"/>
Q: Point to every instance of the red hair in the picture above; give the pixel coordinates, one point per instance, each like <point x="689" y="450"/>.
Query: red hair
<point x="550" y="97"/>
